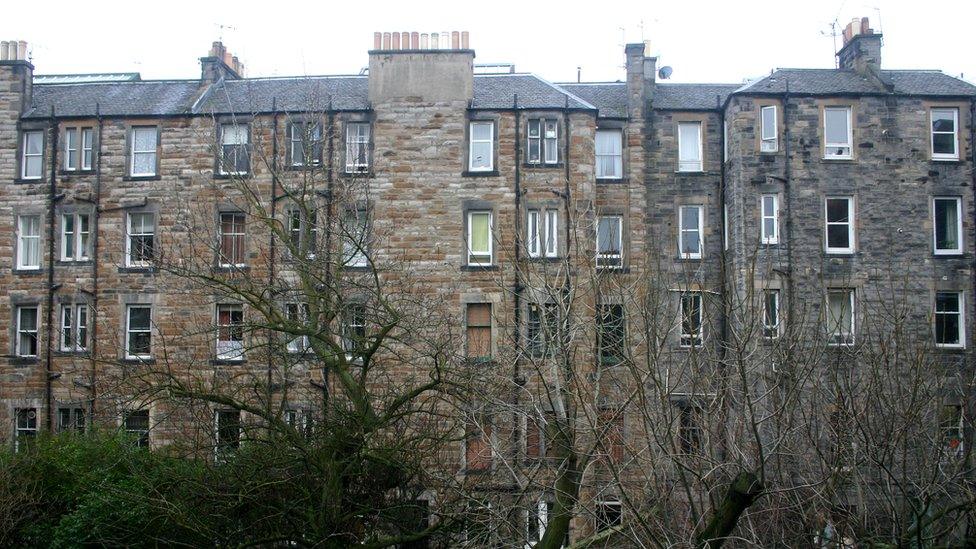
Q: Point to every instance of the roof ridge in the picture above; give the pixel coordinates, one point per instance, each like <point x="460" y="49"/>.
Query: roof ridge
<point x="119" y="82"/>
<point x="567" y="92"/>
<point x="298" y="77"/>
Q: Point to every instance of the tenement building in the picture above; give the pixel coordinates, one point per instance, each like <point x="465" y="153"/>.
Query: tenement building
<point x="670" y="283"/>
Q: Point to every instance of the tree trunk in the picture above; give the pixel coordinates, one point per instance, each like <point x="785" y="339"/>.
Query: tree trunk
<point x="742" y="492"/>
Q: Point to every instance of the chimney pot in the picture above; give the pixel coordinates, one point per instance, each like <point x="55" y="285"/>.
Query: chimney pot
<point x="12" y="50"/>
<point x="415" y="40"/>
<point x="405" y="40"/>
<point x="424" y="41"/>
<point x="455" y="40"/>
<point x="386" y="40"/>
<point x="377" y="40"/>
<point x="434" y="41"/>
<point x="3" y="51"/>
<point x="464" y="40"/>
<point x="395" y="45"/>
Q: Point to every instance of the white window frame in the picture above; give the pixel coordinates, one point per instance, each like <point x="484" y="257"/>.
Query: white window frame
<point x="297" y="312"/>
<point x="606" y="503"/>
<point x="550" y="233"/>
<point x="691" y="165"/>
<point x="21" y="331"/>
<point x="229" y="349"/>
<point x="533" y="245"/>
<point x="141" y="434"/>
<point x="850" y="226"/>
<point x="611" y="260"/>
<point x="134" y="152"/>
<point x="955" y="133"/>
<point x="765" y="237"/>
<point x="129" y="233"/>
<point x="22" y="239"/>
<point x="771" y="331"/>
<point x="768" y="143"/>
<point x="353" y="320"/>
<point x="25" y="155"/>
<point x="849" y="145"/>
<point x="489" y="255"/>
<point x="700" y="231"/>
<point x="87" y="148"/>
<point x="839" y="340"/>
<point x="243" y="143"/>
<point x="961" y="313"/>
<point x="616" y="157"/>
<point x="355" y="141"/>
<point x="26" y="431"/>
<point x="241" y="234"/>
<point x="71" y="137"/>
<point x="542" y="518"/>
<point x="935" y="226"/>
<point x="80" y="239"/>
<point x="688" y="339"/>
<point x="297" y="132"/>
<point x="543" y="134"/>
<point x="356" y="238"/>
<point x="491" y="145"/>
<point x="542" y="228"/>
<point x="129" y="331"/>
<point x="74" y="323"/>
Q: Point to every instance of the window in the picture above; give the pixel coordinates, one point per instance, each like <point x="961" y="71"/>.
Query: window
<point x="297" y="313"/>
<point x="138" y="331"/>
<point x="543" y="141"/>
<point x="610" y="333"/>
<point x="32" y="155"/>
<point x="479" y="238"/>
<point x="951" y="426"/>
<point x="770" y="219"/>
<point x="611" y="424"/>
<point x="840" y="225"/>
<point x="87" y="148"/>
<point x="945" y="134"/>
<point x="478" y="330"/>
<point x="75" y="156"/>
<point x="947" y="225"/>
<point x="26" y="429"/>
<point x="542" y="327"/>
<point x="481" y="153"/>
<point x="949" y="320"/>
<point x="234" y="149"/>
<point x="769" y="141"/>
<point x="354" y="330"/>
<point x="75" y="236"/>
<point x="304" y="143"/>
<point x="536" y="520"/>
<point x="355" y="243"/>
<point x="691" y="222"/>
<point x="302" y="232"/>
<point x="143" y="151"/>
<point x="26" y="344"/>
<point x="838" y="137"/>
<point x="478" y="444"/>
<point x="542" y="227"/>
<point x="770" y="313"/>
<point x="140" y="248"/>
<point x="609" y="241"/>
<point x="609" y="514"/>
<point x="232" y="239"/>
<point x="71" y="419"/>
<point x="691" y="434"/>
<point x="227" y="428"/>
<point x="136" y="425"/>
<point x="74" y="327"/>
<point x="609" y="154"/>
<point x="692" y="319"/>
<point x="29" y="242"/>
<point x="840" y="316"/>
<point x="690" y="147"/>
<point x="230" y="332"/>
<point x="357" y="147"/>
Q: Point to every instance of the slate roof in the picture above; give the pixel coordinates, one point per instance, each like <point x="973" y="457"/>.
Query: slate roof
<point x="691" y="97"/>
<point x="141" y="98"/>
<point x="837" y="81"/>
<point x="312" y="93"/>
<point x="497" y="91"/>
<point x="610" y="98"/>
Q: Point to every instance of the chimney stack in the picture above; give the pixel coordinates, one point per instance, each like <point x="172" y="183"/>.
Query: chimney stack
<point x="13" y="50"/>
<point x="641" y="75"/>
<point x="862" y="48"/>
<point x="220" y="63"/>
<point x="16" y="77"/>
<point x="430" y="67"/>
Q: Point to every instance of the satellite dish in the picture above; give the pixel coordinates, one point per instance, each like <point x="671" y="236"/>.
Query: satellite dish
<point x="665" y="72"/>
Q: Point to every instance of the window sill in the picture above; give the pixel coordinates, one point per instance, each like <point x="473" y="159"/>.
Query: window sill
<point x="611" y="180"/>
<point x="352" y="175"/>
<point x="137" y="360"/>
<point x="950" y="255"/>
<point x="15" y="360"/>
<point x="950" y="349"/>
<point x="28" y="272"/>
<point x="947" y="160"/>
<point x="691" y="172"/>
<point x="839" y="159"/>
<point x="22" y="181"/>
<point x="613" y="270"/>
<point x="139" y="270"/>
<point x="227" y="361"/>
<point x="68" y="353"/>
<point x="543" y="166"/>
<point x="474" y="268"/>
<point x="73" y="263"/>
<point x="231" y="268"/>
<point x="356" y="268"/>
<point x="840" y="255"/>
<point x="303" y="167"/>
<point x="243" y="175"/>
<point x="486" y="173"/>
<point x="142" y="178"/>
<point x="69" y="173"/>
<point x="689" y="258"/>
<point x="550" y="259"/>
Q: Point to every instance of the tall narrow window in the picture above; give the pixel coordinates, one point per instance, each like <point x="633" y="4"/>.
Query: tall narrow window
<point x="140" y="248"/>
<point x="609" y="514"/>
<point x="947" y="225"/>
<point x="951" y="426"/>
<point x="769" y="138"/>
<point x="234" y="149"/>
<point x="840" y="316"/>
<point x="840" y="225"/>
<point x="87" y="148"/>
<point x="949" y="320"/>
<point x="691" y="224"/>
<point x="227" y="428"/>
<point x="542" y="327"/>
<point x="26" y="344"/>
<point x="838" y="137"/>
<point x="74" y="327"/>
<point x="302" y="232"/>
<point x="29" y="242"/>
<point x="609" y="241"/>
<point x="142" y="155"/>
<point x="138" y="332"/>
<point x="945" y="134"/>
<point x="355" y="241"/>
<point x="543" y="141"/>
<point x="357" y="147"/>
<point x="532" y="245"/>
<point x="770" y="313"/>
<point x="536" y="519"/>
<point x="692" y="319"/>
<point x="26" y="427"/>
<point x="550" y="234"/>
<point x="609" y="154"/>
<point x="75" y="236"/>
<point x="32" y="155"/>
<point x="297" y="314"/>
<point x="479" y="238"/>
<point x="690" y="147"/>
<point x="481" y="152"/>
<point x="477" y="444"/>
<point x="691" y="432"/>
<point x="478" y="331"/>
<point x="230" y="332"/>
<point x="354" y="330"/>
<point x="70" y="149"/>
<point x="71" y="419"/>
<point x="542" y="227"/>
<point x="770" y="219"/>
<point x="232" y="239"/>
<point x="611" y="333"/>
<point x="305" y="143"/>
<point x="136" y="425"/>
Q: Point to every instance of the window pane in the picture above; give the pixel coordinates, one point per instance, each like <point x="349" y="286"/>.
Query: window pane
<point x="946" y="224"/>
<point x="836" y="125"/>
<point x="144" y="139"/>
<point x="839" y="315"/>
<point x="688" y="143"/>
<point x="769" y="122"/>
<point x="608" y="235"/>
<point x="139" y="318"/>
<point x="480" y="232"/>
<point x="943" y="121"/>
<point x="143" y="163"/>
<point x="34" y="142"/>
<point x="837" y="210"/>
<point x="481" y="132"/>
<point x="947" y="318"/>
<point x="481" y="155"/>
<point x="944" y="143"/>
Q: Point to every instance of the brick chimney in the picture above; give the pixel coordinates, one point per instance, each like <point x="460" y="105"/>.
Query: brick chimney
<point x="16" y="77"/>
<point x="862" y="48"/>
<point x="641" y="75"/>
<point x="432" y="67"/>
<point x="219" y="63"/>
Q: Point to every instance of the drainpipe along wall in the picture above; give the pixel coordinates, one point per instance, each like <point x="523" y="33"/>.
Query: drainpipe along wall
<point x="51" y="289"/>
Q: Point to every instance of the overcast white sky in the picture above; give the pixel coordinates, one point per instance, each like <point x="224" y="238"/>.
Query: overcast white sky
<point x="704" y="41"/>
